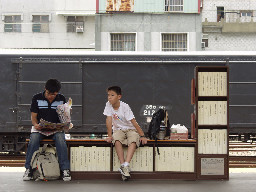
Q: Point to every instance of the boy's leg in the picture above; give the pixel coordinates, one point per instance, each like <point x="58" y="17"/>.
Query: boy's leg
<point x="130" y="152"/>
<point x="133" y="141"/>
<point x="119" y="138"/>
<point x="119" y="151"/>
<point x="124" y="169"/>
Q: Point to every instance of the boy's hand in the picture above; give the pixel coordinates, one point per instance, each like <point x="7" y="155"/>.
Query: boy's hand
<point x="143" y="140"/>
<point x="109" y="139"/>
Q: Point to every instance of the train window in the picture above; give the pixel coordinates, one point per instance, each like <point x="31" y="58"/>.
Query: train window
<point x="174" y="42"/>
<point x="123" y="42"/>
<point x="40" y="23"/>
<point x="12" y="23"/>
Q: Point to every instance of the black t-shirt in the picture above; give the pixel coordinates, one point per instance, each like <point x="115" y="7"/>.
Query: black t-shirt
<point x="45" y="109"/>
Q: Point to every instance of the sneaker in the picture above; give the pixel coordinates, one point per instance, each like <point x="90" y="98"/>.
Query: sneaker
<point x="27" y="175"/>
<point x="125" y="171"/>
<point x="66" y="175"/>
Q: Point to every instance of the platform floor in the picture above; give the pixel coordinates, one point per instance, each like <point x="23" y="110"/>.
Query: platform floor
<point x="241" y="180"/>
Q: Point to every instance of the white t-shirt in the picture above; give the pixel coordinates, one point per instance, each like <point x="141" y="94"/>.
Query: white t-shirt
<point x="121" y="118"/>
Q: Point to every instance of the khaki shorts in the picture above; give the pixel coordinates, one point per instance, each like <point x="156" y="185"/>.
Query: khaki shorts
<point x="126" y="137"/>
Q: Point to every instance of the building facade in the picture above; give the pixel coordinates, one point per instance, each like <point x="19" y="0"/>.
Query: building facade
<point x="229" y="25"/>
<point x="102" y="25"/>
<point x="148" y="25"/>
<point x="47" y="24"/>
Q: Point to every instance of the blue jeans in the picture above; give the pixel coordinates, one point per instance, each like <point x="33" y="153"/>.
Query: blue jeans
<point x="60" y="144"/>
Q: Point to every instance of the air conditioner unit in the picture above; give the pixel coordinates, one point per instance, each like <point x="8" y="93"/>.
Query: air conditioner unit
<point x="80" y="29"/>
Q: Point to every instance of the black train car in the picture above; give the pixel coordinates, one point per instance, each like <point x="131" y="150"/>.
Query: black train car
<point x="149" y="81"/>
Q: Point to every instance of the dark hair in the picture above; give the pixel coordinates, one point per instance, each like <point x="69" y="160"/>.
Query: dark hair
<point x="115" y="89"/>
<point x="53" y="85"/>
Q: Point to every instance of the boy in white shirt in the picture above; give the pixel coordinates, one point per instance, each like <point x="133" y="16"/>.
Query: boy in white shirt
<point x="126" y="130"/>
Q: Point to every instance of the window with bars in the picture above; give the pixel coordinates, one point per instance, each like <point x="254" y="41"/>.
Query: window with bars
<point x="40" y="23"/>
<point x="74" y="23"/>
<point x="174" y="42"/>
<point x="246" y="13"/>
<point x="12" y="23"/>
<point x="123" y="42"/>
<point x="174" y="5"/>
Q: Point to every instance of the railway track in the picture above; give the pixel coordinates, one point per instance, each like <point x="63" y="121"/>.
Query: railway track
<point x="241" y="155"/>
<point x="12" y="160"/>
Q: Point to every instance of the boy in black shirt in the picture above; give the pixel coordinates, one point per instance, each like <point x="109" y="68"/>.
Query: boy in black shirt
<point x="44" y="106"/>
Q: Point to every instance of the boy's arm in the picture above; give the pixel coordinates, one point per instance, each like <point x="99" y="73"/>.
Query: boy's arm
<point x="109" y="128"/>
<point x="143" y="139"/>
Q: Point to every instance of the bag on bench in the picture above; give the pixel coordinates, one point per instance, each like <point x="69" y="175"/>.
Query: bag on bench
<point x="45" y="164"/>
<point x="154" y="126"/>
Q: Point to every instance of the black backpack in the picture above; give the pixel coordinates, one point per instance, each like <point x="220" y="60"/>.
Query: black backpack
<point x="154" y="126"/>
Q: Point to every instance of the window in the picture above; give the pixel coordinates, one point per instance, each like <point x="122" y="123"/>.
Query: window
<point x="205" y="40"/>
<point x="174" y="42"/>
<point x="75" y="24"/>
<point x="246" y="13"/>
<point x="220" y="13"/>
<point x="173" y="5"/>
<point x="123" y="42"/>
<point x="40" y="23"/>
<point x="12" y="23"/>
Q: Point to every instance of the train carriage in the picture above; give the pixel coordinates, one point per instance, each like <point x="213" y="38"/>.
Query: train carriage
<point x="149" y="81"/>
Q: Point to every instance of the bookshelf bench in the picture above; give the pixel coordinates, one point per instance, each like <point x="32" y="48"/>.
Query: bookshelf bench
<point x="114" y="174"/>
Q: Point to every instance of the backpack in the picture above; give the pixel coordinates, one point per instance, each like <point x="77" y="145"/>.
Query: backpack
<point x="154" y="126"/>
<point x="45" y="165"/>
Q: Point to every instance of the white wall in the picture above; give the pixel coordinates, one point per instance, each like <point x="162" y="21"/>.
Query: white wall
<point x="57" y="37"/>
<point x="88" y="6"/>
<point x="229" y="41"/>
<point x="232" y="42"/>
<point x="209" y="10"/>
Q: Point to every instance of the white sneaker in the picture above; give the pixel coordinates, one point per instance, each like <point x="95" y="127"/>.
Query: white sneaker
<point x="125" y="171"/>
<point x="27" y="175"/>
<point x="66" y="175"/>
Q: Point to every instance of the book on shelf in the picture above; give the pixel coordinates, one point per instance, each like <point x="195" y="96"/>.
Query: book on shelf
<point x="80" y="158"/>
<point x="72" y="158"/>
<point x="142" y="159"/>
<point x="107" y="160"/>
<point x="212" y="83"/>
<point x="90" y="158"/>
<point x="212" y="112"/>
<point x="176" y="159"/>
<point x="212" y="141"/>
<point x="85" y="159"/>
